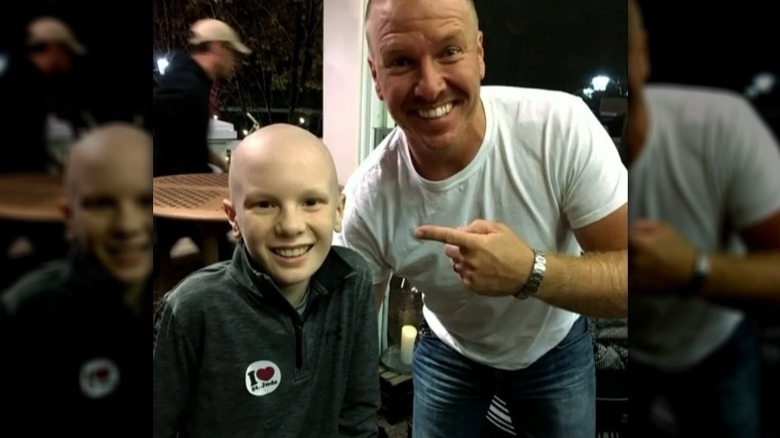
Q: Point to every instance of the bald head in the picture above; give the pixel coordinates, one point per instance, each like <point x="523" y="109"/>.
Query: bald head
<point x="109" y="207"/>
<point x="115" y="148"/>
<point x="381" y="8"/>
<point x="275" y="146"/>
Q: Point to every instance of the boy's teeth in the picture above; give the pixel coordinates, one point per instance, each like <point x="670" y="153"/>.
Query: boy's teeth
<point x="292" y="252"/>
<point x="435" y="113"/>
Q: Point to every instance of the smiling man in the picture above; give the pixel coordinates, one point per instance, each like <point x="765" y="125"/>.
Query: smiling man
<point x="281" y="340"/>
<point x="484" y="199"/>
<point x="79" y="329"/>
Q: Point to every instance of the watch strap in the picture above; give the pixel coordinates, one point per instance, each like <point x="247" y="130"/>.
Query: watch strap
<point x="534" y="281"/>
<point x="701" y="270"/>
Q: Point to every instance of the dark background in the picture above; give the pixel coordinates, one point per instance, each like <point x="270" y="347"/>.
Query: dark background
<point x="723" y="45"/>
<point x="559" y="45"/>
<point x="117" y="35"/>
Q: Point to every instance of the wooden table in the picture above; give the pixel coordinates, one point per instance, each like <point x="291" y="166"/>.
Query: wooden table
<point x="195" y="197"/>
<point x="31" y="197"/>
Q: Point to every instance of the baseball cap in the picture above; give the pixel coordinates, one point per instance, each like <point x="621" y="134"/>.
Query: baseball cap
<point x="211" y="30"/>
<point x="46" y="30"/>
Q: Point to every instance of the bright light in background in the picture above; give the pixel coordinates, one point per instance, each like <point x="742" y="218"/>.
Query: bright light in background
<point x="246" y="132"/>
<point x="301" y="120"/>
<point x="588" y="92"/>
<point x="162" y="64"/>
<point x="762" y="83"/>
<point x="600" y="83"/>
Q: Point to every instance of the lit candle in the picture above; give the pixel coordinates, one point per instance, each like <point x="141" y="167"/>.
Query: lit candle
<point x="408" y="335"/>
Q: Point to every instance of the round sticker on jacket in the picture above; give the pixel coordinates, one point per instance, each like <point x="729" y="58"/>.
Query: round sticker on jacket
<point x="262" y="378"/>
<point x="99" y="378"/>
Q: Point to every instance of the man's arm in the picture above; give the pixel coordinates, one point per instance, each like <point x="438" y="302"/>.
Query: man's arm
<point x="218" y="161"/>
<point x="492" y="260"/>
<point x="756" y="275"/>
<point x="748" y="159"/>
<point x="173" y="365"/>
<point x="595" y="284"/>
<point x="358" y="417"/>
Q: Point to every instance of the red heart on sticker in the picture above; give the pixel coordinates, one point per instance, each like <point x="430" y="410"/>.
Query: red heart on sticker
<point x="265" y="374"/>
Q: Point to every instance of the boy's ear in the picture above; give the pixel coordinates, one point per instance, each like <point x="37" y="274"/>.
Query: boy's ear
<point x="339" y="212"/>
<point x="67" y="214"/>
<point x="227" y="206"/>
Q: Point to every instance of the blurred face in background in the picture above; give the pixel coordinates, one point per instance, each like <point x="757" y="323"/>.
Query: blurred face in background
<point x="226" y="60"/>
<point x="109" y="210"/>
<point x="51" y="59"/>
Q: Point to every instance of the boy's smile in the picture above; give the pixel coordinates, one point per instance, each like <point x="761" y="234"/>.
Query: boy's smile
<point x="285" y="204"/>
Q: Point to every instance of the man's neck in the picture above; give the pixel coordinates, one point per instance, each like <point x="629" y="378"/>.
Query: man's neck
<point x="443" y="165"/>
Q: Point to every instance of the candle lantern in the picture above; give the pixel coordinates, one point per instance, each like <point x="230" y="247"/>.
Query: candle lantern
<point x="403" y="324"/>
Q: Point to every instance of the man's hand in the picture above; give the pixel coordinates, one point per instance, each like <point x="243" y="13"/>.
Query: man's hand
<point x="660" y="259"/>
<point x="488" y="257"/>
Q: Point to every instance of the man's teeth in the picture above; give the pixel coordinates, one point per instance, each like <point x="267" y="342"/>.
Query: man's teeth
<point x="292" y="252"/>
<point x="435" y="113"/>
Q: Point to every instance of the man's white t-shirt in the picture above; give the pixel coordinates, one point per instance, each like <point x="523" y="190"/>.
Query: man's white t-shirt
<point x="709" y="169"/>
<point x="546" y="167"/>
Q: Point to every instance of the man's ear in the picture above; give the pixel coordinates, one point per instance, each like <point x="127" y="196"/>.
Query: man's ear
<point x="481" y="54"/>
<point x="372" y="68"/>
<point x="227" y="207"/>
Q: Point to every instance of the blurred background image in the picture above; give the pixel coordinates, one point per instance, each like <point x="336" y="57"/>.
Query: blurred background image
<point x="703" y="165"/>
<point x="75" y="218"/>
<point x="64" y="66"/>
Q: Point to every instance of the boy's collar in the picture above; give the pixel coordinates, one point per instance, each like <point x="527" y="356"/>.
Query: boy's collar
<point x="326" y="280"/>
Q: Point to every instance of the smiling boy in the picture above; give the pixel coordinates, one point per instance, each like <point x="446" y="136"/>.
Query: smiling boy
<point x="281" y="340"/>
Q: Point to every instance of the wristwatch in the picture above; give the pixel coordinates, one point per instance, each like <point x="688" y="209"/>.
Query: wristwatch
<point x="701" y="270"/>
<point x="531" y="285"/>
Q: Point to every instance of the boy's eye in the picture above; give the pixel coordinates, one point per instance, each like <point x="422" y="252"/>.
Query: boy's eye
<point x="264" y="204"/>
<point x="311" y="202"/>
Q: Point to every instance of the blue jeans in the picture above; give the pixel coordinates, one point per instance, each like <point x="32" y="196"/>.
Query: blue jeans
<point x="718" y="397"/>
<point x="555" y="397"/>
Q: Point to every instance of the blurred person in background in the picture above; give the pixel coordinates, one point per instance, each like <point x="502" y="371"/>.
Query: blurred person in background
<point x="76" y="333"/>
<point x="46" y="84"/>
<point x="704" y="242"/>
<point x="182" y="117"/>
<point x="181" y="100"/>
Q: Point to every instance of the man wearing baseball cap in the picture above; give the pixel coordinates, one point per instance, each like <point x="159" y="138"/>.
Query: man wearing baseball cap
<point x="181" y="114"/>
<point x="46" y="80"/>
<point x="181" y="103"/>
<point x="52" y="45"/>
